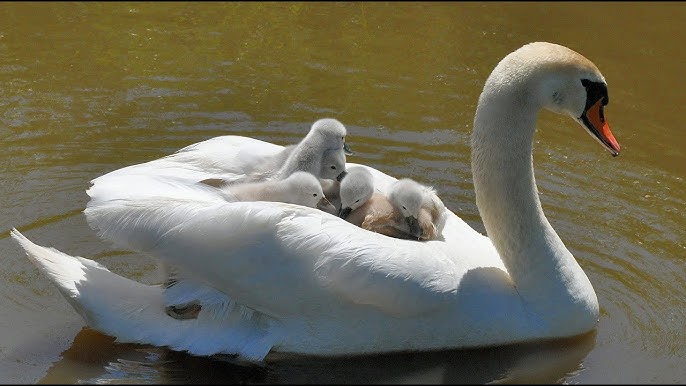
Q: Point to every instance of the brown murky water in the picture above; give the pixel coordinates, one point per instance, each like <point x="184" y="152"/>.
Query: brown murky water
<point x="86" y="88"/>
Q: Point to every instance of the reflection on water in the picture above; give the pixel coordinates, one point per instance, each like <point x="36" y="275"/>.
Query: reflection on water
<point x="86" y="88"/>
<point x="100" y="360"/>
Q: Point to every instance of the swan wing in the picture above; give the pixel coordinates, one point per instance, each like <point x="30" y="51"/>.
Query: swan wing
<point x="141" y="186"/>
<point x="228" y="157"/>
<point x="283" y="260"/>
<point x="134" y="312"/>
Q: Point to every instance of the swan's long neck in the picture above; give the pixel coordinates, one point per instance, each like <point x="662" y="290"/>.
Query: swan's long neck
<point x="544" y="272"/>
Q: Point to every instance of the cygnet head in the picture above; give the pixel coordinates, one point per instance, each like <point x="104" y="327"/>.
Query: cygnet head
<point x="556" y="78"/>
<point x="304" y="189"/>
<point x="331" y="134"/>
<point x="333" y="165"/>
<point x="406" y="196"/>
<point x="357" y="187"/>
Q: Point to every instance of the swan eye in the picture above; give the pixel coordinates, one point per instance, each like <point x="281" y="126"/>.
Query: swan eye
<point x="595" y="91"/>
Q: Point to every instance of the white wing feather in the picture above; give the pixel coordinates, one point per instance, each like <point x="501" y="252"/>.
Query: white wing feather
<point x="229" y="157"/>
<point x="257" y="251"/>
<point x="134" y="312"/>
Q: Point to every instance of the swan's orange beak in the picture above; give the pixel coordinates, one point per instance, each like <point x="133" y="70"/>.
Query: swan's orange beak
<point x="594" y="121"/>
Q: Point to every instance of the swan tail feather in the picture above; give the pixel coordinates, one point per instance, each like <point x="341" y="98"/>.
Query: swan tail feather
<point x="134" y="312"/>
<point x="103" y="298"/>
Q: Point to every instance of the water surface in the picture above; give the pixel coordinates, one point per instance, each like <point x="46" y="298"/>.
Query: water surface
<point x="86" y="88"/>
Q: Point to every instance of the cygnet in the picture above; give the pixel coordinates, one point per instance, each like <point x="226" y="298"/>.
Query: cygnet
<point x="409" y="211"/>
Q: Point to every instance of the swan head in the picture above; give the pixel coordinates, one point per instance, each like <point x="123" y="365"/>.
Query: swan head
<point x="331" y="134"/>
<point x="406" y="196"/>
<point x="333" y="165"/>
<point x="356" y="189"/>
<point x="561" y="80"/>
<point x="304" y="189"/>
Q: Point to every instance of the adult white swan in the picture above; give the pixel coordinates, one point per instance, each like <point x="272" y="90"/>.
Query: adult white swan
<point x="303" y="281"/>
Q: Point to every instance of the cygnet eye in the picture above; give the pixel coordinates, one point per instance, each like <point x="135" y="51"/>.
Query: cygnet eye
<point x="314" y="194"/>
<point x="356" y="201"/>
<point x="333" y="167"/>
<point x="404" y="207"/>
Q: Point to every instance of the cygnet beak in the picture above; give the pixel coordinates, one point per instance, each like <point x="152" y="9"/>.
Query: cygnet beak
<point x="344" y="212"/>
<point x="340" y="177"/>
<point x="413" y="223"/>
<point x="326" y="206"/>
<point x="346" y="149"/>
